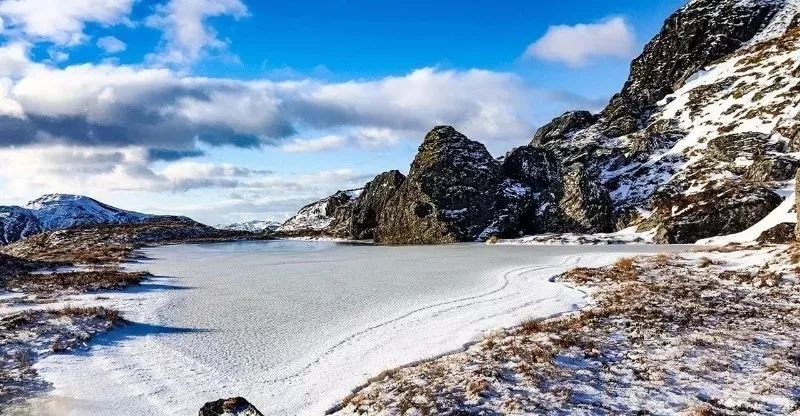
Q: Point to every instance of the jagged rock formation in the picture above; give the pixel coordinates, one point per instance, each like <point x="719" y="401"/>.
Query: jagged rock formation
<point x="455" y="191"/>
<point x="327" y="217"/>
<point x="60" y="211"/>
<point x="369" y="206"/>
<point x="710" y="114"/>
<point x="236" y="406"/>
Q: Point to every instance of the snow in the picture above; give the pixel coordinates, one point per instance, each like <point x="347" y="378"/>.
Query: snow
<point x="59" y="211"/>
<point x="251" y="226"/>
<point x="627" y="236"/>
<point x="294" y="326"/>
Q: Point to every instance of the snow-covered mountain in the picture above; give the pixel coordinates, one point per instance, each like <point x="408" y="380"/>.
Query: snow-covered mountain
<point x="322" y="217"/>
<point x="702" y="141"/>
<point x="60" y="211"/>
<point x="254" y="226"/>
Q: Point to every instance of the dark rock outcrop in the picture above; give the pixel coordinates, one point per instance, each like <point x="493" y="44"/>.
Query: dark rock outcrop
<point x="454" y="191"/>
<point x="236" y="406"/>
<point x="584" y="206"/>
<point x="782" y="233"/>
<point x="730" y="147"/>
<point x="535" y="167"/>
<point x="368" y="207"/>
<point x="561" y="127"/>
<point x="722" y="210"/>
<point x="772" y="169"/>
<point x="695" y="36"/>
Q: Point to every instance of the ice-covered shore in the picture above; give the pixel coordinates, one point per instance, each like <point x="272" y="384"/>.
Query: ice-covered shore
<point x="207" y="341"/>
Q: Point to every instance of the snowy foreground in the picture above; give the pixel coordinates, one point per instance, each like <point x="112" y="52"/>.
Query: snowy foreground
<point x="295" y="326"/>
<point x="694" y="333"/>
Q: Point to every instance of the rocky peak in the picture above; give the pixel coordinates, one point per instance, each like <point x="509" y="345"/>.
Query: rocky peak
<point x="455" y="191"/>
<point x="698" y="34"/>
<point x="369" y="206"/>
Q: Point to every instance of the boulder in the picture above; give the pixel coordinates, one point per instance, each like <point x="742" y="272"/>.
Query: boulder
<point x="789" y="129"/>
<point x="561" y="127"/>
<point x="782" y="233"/>
<point x="454" y="192"/>
<point x="368" y="206"/>
<point x="725" y="209"/>
<point x="772" y="169"/>
<point x="749" y="145"/>
<point x="236" y="406"/>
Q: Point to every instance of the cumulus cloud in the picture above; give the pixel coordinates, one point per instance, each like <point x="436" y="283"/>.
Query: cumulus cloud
<point x="576" y="45"/>
<point x="59" y="21"/>
<point x="111" y="105"/>
<point x="111" y="45"/>
<point x="315" y="145"/>
<point x="186" y="34"/>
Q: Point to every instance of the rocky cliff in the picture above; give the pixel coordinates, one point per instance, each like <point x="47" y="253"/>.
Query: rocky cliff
<point x="701" y="141"/>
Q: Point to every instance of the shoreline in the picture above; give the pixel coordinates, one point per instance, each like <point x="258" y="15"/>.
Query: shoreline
<point x="503" y="386"/>
<point x="494" y="325"/>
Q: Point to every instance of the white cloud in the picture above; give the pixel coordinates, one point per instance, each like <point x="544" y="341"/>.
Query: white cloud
<point x="111" y="45"/>
<point x="113" y="105"/>
<point x="576" y="45"/>
<point x="186" y="33"/>
<point x="60" y="21"/>
<point x="315" y="145"/>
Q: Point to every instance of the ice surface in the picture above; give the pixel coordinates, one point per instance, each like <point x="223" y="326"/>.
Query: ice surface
<point x="293" y="326"/>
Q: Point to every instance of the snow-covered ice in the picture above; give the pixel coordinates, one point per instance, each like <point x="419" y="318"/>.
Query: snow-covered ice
<point x="294" y="326"/>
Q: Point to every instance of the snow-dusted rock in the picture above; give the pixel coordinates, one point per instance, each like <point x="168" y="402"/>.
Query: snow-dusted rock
<point x="235" y="406"/>
<point x="327" y="217"/>
<point x="455" y="191"/>
<point x="252" y="226"/>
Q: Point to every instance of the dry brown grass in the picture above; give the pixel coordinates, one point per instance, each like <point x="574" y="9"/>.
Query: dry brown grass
<point x="706" y="262"/>
<point x="74" y="282"/>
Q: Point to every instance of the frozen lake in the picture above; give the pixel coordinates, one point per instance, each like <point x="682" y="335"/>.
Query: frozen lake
<point x="294" y="326"/>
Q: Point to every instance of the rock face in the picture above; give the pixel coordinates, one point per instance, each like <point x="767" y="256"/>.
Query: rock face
<point x="561" y="127"/>
<point x="696" y="35"/>
<point x="252" y="226"/>
<point x="684" y="219"/>
<point x="454" y="191"/>
<point x="327" y="217"/>
<point x="236" y="406"/>
<point x="369" y="206"/>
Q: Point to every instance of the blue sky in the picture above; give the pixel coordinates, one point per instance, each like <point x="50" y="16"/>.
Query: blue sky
<point x="234" y="109"/>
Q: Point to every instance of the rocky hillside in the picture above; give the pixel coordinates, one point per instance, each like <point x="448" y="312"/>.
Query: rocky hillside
<point x="111" y="243"/>
<point x="252" y="226"/>
<point x="60" y="211"/>
<point x="702" y="141"/>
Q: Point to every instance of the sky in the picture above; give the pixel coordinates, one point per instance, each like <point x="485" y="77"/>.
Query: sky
<point x="231" y="110"/>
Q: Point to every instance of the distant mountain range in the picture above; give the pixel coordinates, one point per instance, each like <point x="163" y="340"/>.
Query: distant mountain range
<point x="253" y="226"/>
<point x="60" y="211"/>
